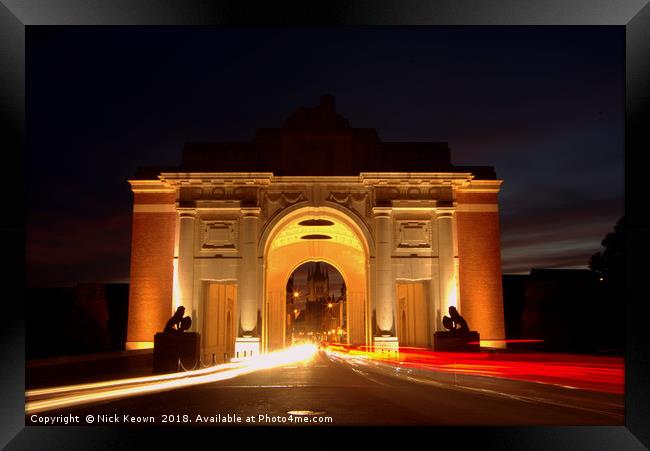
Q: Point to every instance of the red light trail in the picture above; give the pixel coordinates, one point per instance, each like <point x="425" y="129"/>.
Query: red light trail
<point x="594" y="373"/>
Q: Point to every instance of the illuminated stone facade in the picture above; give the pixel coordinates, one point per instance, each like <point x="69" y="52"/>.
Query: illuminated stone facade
<point x="387" y="215"/>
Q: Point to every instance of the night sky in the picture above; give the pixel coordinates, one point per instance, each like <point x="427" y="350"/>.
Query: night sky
<point x="544" y="106"/>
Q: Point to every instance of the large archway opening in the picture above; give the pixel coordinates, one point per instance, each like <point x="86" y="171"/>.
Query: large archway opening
<point x="316" y="304"/>
<point x="315" y="234"/>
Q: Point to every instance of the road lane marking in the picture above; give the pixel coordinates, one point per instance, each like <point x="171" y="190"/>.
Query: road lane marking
<point x="367" y="376"/>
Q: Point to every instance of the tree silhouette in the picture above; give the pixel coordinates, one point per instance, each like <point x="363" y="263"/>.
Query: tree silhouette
<point x="609" y="264"/>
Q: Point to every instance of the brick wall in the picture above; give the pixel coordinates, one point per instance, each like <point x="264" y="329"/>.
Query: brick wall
<point x="152" y="253"/>
<point x="479" y="254"/>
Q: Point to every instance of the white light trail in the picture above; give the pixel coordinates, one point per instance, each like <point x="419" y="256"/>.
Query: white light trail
<point x="136" y="380"/>
<point x="59" y="397"/>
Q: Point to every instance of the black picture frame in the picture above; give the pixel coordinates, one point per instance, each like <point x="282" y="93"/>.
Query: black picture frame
<point x="634" y="15"/>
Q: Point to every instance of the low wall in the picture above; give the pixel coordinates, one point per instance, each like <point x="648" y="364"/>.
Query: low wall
<point x="71" y="370"/>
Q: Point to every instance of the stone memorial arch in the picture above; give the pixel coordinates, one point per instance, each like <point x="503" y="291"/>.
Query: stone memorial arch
<point x="221" y="233"/>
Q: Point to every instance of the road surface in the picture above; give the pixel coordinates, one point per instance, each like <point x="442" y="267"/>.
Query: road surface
<point x="330" y="391"/>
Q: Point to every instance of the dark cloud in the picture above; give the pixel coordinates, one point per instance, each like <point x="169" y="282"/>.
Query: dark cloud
<point x="62" y="249"/>
<point x="564" y="236"/>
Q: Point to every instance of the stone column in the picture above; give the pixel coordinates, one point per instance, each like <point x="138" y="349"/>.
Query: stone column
<point x="247" y="283"/>
<point x="186" y="261"/>
<point x="446" y="264"/>
<point x="385" y="301"/>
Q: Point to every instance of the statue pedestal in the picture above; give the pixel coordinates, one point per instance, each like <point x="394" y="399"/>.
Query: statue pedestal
<point x="456" y="342"/>
<point x="168" y="348"/>
<point x="246" y="347"/>
<point x="386" y="345"/>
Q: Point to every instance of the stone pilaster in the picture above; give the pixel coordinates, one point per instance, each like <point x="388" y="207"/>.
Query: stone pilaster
<point x="446" y="263"/>
<point x="247" y="345"/>
<point x="186" y="260"/>
<point x="385" y="301"/>
<point x="247" y="296"/>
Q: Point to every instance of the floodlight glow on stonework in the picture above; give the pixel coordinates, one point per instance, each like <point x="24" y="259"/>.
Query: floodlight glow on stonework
<point x="315" y="227"/>
<point x="252" y="225"/>
<point x="452" y="295"/>
<point x="176" y="289"/>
